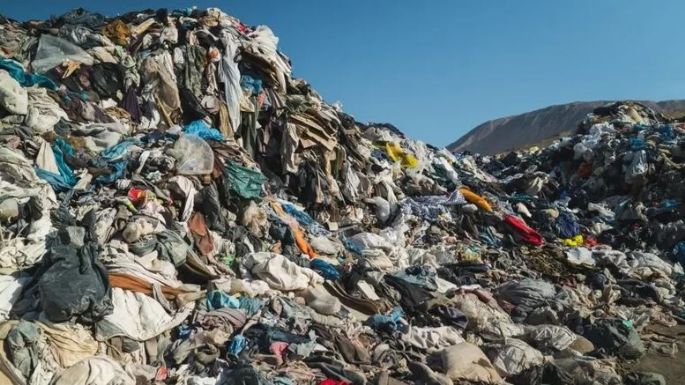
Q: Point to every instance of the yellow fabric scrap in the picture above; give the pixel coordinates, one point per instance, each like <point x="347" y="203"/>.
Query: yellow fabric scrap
<point x="574" y="241"/>
<point x="476" y="199"/>
<point x="398" y="154"/>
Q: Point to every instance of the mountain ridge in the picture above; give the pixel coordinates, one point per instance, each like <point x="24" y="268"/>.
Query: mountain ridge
<point x="532" y="127"/>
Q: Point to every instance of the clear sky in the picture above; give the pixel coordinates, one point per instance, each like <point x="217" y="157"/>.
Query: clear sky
<point x="438" y="68"/>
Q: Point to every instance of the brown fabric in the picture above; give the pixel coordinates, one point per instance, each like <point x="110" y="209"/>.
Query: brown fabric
<point x="225" y="121"/>
<point x="117" y="31"/>
<point x="363" y="305"/>
<point x="128" y="282"/>
<point x="352" y="351"/>
<point x="198" y="228"/>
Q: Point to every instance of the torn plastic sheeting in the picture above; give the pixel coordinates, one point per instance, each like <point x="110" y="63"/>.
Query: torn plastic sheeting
<point x="193" y="155"/>
<point x="244" y="181"/>
<point x="53" y="51"/>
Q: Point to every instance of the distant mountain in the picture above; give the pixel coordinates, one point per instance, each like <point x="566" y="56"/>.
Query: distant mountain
<point x="520" y="131"/>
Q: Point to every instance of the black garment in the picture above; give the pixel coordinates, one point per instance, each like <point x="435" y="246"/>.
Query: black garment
<point x="267" y="335"/>
<point x="614" y="337"/>
<point x="131" y="105"/>
<point x="207" y="202"/>
<point x="413" y="296"/>
<point x="75" y="284"/>
<point x="106" y="79"/>
<point x="242" y="375"/>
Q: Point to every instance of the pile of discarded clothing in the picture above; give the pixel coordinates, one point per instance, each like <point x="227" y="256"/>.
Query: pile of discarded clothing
<point x="177" y="208"/>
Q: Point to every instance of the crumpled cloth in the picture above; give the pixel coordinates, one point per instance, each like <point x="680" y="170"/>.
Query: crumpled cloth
<point x="279" y="272"/>
<point x="138" y="317"/>
<point x="98" y="370"/>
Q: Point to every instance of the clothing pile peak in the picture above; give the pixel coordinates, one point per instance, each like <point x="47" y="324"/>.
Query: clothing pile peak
<point x="177" y="208"/>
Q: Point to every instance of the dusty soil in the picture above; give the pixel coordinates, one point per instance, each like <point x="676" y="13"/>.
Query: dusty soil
<point x="671" y="367"/>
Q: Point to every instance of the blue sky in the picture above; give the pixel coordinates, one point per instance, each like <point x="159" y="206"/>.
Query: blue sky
<point x="438" y="68"/>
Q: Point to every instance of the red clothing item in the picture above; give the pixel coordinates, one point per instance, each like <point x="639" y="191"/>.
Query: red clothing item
<point x="590" y="241"/>
<point x="523" y="231"/>
<point x="330" y="381"/>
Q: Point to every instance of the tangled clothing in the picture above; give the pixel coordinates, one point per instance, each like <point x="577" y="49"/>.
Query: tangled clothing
<point x="228" y="319"/>
<point x="68" y="343"/>
<point x="138" y="317"/>
<point x="279" y="272"/>
<point x="229" y="74"/>
<point x="160" y="81"/>
<point x="18" y="179"/>
<point x="43" y="111"/>
<point x="99" y="370"/>
<point x="522" y="231"/>
<point x="23" y="345"/>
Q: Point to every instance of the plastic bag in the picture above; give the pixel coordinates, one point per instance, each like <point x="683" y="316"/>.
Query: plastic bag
<point x="53" y="51"/>
<point x="194" y="156"/>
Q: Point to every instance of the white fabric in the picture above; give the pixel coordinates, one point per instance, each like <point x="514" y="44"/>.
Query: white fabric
<point x="13" y="98"/>
<point x="279" y="272"/>
<point x="466" y="361"/>
<point x="487" y="319"/>
<point x="229" y="74"/>
<point x="19" y="180"/>
<point x="554" y="336"/>
<point x="138" y="317"/>
<point x="432" y="339"/>
<point x="46" y="158"/>
<point x="10" y="290"/>
<point x="43" y="111"/>
<point x="98" y="370"/>
<point x="580" y="256"/>
<point x="514" y="357"/>
<point x="185" y="186"/>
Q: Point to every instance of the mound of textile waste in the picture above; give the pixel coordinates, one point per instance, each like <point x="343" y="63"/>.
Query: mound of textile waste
<point x="177" y="208"/>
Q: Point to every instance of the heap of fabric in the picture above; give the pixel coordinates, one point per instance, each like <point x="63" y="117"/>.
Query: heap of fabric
<point x="177" y="208"/>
